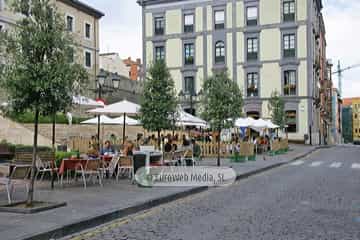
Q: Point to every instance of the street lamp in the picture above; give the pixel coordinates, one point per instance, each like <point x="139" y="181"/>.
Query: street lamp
<point x="100" y="82"/>
<point x="116" y="81"/>
<point x="190" y="95"/>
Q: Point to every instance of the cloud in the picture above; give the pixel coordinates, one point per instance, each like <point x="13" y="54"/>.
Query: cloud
<point x="342" y="22"/>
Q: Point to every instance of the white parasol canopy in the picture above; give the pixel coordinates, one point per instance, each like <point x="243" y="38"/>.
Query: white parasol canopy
<point x="272" y="125"/>
<point x="118" y="109"/>
<point x="186" y="119"/>
<point x="86" y="102"/>
<point x="103" y="120"/>
<point x="128" y="121"/>
<point x="244" y="122"/>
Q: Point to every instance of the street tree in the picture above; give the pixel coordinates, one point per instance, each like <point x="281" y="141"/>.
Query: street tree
<point x="158" y="104"/>
<point x="38" y="73"/>
<point x="276" y="107"/>
<point x="222" y="103"/>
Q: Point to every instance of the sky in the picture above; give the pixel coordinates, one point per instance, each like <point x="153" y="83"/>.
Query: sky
<point x="120" y="31"/>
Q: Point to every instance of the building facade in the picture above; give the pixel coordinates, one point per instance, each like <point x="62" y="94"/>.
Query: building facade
<point x="135" y="72"/>
<point x="112" y="62"/>
<point x="336" y="123"/>
<point x="265" y="45"/>
<point x="347" y="132"/>
<point x="82" y="21"/>
<point x="354" y="105"/>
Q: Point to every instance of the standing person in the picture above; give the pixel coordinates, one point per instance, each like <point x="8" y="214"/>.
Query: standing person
<point x="196" y="149"/>
<point x="168" y="146"/>
<point x="113" y="139"/>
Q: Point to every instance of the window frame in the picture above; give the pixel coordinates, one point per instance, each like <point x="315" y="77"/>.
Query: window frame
<point x="186" y="77"/>
<point x="157" y="31"/>
<point x="288" y="52"/>
<point x="188" y="28"/>
<point x="186" y="57"/>
<point x="251" y="22"/>
<point x="219" y="26"/>
<point x="256" y="84"/>
<point x="291" y="16"/>
<point x="155" y="52"/>
<point x="295" y="72"/>
<point x="73" y="23"/>
<point x="252" y="55"/>
<point x="90" y="29"/>
<point x="220" y="59"/>
<point x="85" y="59"/>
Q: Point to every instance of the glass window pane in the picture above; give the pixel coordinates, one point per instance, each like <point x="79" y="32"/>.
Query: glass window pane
<point x="189" y="19"/>
<point x="219" y="17"/>
<point x="252" y="13"/>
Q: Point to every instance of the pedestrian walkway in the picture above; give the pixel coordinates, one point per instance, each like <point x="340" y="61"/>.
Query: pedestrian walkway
<point x="323" y="164"/>
<point x="96" y="204"/>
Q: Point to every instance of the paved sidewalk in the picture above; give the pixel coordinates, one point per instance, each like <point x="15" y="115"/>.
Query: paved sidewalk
<point x="94" y="205"/>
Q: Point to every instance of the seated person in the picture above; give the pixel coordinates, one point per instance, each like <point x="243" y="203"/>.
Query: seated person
<point x="168" y="146"/>
<point x="107" y="149"/>
<point x="128" y="148"/>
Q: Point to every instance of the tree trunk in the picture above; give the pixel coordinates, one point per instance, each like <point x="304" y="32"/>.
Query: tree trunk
<point x="159" y="140"/>
<point x="218" y="157"/>
<point x="33" y="164"/>
<point x="53" y="131"/>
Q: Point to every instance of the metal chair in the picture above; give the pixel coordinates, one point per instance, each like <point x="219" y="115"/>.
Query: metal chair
<point x="126" y="165"/>
<point x="111" y="167"/>
<point x="19" y="175"/>
<point x="91" y="169"/>
<point x="43" y="167"/>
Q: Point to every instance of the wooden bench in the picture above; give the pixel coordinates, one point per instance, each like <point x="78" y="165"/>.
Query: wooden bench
<point x="26" y="157"/>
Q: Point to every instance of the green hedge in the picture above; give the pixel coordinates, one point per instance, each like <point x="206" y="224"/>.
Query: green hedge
<point x="28" y="117"/>
<point x="59" y="156"/>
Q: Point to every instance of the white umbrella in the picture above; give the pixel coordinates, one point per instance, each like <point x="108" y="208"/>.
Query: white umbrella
<point x="186" y="119"/>
<point x="128" y="121"/>
<point x="86" y="102"/>
<point x="272" y="125"/>
<point x="103" y="120"/>
<point x="117" y="109"/>
<point x="244" y="122"/>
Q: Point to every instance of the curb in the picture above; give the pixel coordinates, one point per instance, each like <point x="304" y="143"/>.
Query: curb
<point x="107" y="217"/>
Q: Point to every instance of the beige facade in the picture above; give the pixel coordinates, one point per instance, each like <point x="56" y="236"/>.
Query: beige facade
<point x="87" y="41"/>
<point x="273" y="40"/>
<point x="111" y="62"/>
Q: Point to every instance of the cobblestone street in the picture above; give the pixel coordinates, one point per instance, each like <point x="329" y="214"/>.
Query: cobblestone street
<point x="313" y="198"/>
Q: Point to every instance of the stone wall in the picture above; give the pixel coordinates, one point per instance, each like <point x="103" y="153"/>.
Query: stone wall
<point x="64" y="132"/>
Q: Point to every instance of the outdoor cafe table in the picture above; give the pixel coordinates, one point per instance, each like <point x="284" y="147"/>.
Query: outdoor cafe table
<point x="70" y="164"/>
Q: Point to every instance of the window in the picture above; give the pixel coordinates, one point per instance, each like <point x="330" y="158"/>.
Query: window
<point x="1" y="6"/>
<point x="290" y="118"/>
<point x="88" y="59"/>
<point x="355" y="116"/>
<point x="189" y="53"/>
<point x="289" y="10"/>
<point x="159" y="53"/>
<point x="252" y="16"/>
<point x="87" y="30"/>
<point x="289" y="83"/>
<point x="189" y="85"/>
<point x="220" y="52"/>
<point x="188" y="23"/>
<point x="289" y="45"/>
<point x="252" y="49"/>
<point x="159" y="25"/>
<point x="70" y="23"/>
<point x="219" y="19"/>
<point x="1" y="26"/>
<point x="252" y="84"/>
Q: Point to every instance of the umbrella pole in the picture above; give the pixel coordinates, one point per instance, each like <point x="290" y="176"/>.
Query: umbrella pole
<point x="98" y="133"/>
<point x="124" y="128"/>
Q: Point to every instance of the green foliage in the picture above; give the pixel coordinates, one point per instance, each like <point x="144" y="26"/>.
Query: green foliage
<point x="159" y="101"/>
<point x="276" y="107"/>
<point x="28" y="117"/>
<point x="38" y="74"/>
<point x="59" y="156"/>
<point x="222" y="101"/>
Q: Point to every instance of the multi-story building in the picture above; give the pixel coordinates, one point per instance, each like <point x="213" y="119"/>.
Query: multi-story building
<point x="326" y="101"/>
<point x="135" y="68"/>
<point x="265" y="45"/>
<point x="347" y="132"/>
<point x="336" y="123"/>
<point x="112" y="62"/>
<point x="83" y="23"/>
<point x="354" y="105"/>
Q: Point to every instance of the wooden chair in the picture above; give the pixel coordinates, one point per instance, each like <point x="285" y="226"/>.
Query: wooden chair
<point x="126" y="165"/>
<point x="188" y="158"/>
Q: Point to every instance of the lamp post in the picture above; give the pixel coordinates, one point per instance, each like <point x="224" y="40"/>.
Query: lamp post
<point x="100" y="79"/>
<point x="190" y="95"/>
